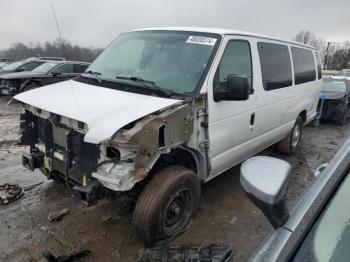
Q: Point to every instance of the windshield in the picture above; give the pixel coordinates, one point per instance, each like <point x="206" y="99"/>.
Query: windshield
<point x="45" y="68"/>
<point x="344" y="73"/>
<point x="13" y="66"/>
<point x="173" y="61"/>
<point x="329" y="239"/>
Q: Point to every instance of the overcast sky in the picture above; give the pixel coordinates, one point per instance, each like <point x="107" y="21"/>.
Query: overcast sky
<point x="97" y="22"/>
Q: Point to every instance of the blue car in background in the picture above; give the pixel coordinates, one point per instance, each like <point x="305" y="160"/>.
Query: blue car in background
<point x="334" y="101"/>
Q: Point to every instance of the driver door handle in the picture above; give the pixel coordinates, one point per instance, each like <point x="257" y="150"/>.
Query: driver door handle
<point x="252" y="121"/>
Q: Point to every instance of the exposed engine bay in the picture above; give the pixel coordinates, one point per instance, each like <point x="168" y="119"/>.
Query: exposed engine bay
<point x="58" y="149"/>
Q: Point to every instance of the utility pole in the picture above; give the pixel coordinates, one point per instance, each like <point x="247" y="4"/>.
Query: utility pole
<point x="59" y="32"/>
<point x="326" y="57"/>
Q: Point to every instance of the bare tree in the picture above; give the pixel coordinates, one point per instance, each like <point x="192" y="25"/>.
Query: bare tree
<point x="55" y="48"/>
<point x="309" y="38"/>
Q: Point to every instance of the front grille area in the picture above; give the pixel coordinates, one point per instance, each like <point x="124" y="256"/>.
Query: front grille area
<point x="78" y="158"/>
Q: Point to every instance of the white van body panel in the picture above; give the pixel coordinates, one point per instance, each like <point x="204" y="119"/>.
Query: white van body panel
<point x="218" y="135"/>
<point x="103" y="110"/>
<point x="231" y="135"/>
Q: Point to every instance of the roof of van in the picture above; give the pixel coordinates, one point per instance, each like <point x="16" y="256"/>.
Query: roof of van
<point x="223" y="31"/>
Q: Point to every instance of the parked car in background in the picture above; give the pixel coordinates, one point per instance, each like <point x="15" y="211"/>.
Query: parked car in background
<point x="342" y="75"/>
<point x="318" y="227"/>
<point x="163" y="110"/>
<point x="45" y="74"/>
<point x="21" y="66"/>
<point x="50" y="58"/>
<point x="5" y="61"/>
<point x="334" y="103"/>
<point x="329" y="73"/>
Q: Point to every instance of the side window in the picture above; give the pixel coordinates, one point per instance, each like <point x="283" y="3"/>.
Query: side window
<point x="319" y="68"/>
<point x="30" y="66"/>
<point x="79" y="68"/>
<point x="276" y="67"/>
<point x="63" y="69"/>
<point x="304" y="65"/>
<point x="236" y="60"/>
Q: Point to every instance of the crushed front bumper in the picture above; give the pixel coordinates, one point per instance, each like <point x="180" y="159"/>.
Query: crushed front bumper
<point x="6" y="88"/>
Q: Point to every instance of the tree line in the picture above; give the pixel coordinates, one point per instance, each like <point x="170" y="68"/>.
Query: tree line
<point x="335" y="56"/>
<point x="56" y="48"/>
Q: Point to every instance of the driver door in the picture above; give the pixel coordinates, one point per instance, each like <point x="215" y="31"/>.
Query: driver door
<point x="231" y="123"/>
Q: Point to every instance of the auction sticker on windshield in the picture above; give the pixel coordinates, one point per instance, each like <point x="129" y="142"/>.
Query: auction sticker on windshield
<point x="201" y="40"/>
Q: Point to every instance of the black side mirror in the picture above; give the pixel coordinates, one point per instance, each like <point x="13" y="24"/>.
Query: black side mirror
<point x="265" y="180"/>
<point x="54" y="74"/>
<point x="19" y="70"/>
<point x="237" y="88"/>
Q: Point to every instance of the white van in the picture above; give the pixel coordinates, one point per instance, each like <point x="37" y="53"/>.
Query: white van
<point x="163" y="110"/>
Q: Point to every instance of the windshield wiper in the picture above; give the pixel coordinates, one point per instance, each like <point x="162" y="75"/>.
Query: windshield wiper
<point x="146" y="83"/>
<point x="95" y="74"/>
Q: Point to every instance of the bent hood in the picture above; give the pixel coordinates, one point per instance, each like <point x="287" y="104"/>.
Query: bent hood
<point x="104" y="110"/>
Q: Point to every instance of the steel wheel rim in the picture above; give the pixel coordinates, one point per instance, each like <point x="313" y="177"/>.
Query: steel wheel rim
<point x="177" y="212"/>
<point x="296" y="135"/>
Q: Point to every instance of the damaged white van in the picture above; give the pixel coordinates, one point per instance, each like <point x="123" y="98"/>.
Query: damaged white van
<point x="163" y="110"/>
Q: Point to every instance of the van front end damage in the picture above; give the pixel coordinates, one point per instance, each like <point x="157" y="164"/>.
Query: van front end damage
<point x="58" y="149"/>
<point x="130" y="154"/>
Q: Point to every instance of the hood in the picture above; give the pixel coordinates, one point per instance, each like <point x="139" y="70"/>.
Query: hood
<point x="21" y="75"/>
<point x="104" y="110"/>
<point x="3" y="72"/>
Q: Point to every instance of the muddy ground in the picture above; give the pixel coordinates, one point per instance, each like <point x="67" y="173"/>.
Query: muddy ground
<point x="225" y="216"/>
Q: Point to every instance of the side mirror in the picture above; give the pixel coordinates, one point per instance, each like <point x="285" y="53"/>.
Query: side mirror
<point x="54" y="74"/>
<point x="237" y="88"/>
<point x="265" y="180"/>
<point x="19" y="70"/>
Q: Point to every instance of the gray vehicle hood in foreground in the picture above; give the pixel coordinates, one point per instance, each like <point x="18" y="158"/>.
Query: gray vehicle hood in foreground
<point x="281" y="244"/>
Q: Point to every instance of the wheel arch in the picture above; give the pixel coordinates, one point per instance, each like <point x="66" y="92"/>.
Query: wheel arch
<point x="30" y="81"/>
<point x="303" y="115"/>
<point x="182" y="156"/>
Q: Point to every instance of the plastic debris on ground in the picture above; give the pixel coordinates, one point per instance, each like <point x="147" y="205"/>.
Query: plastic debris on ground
<point x="65" y="258"/>
<point x="10" y="193"/>
<point x="188" y="253"/>
<point x="58" y="215"/>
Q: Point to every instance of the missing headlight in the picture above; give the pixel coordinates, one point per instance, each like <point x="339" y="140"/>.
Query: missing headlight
<point x="112" y="152"/>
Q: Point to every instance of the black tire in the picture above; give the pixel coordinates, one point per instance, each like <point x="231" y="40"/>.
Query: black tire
<point x="343" y="114"/>
<point x="290" y="143"/>
<point x="341" y="120"/>
<point x="166" y="205"/>
<point x="29" y="86"/>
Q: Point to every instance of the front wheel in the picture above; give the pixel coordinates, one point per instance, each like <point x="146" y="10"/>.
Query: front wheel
<point x="30" y="86"/>
<point x="291" y="142"/>
<point x="166" y="205"/>
<point x="343" y="114"/>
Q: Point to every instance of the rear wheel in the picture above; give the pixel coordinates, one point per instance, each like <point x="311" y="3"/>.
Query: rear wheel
<point x="291" y="142"/>
<point x="166" y="205"/>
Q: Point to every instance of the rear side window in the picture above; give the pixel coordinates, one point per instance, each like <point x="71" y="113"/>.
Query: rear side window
<point x="64" y="69"/>
<point x="319" y="69"/>
<point x="304" y="65"/>
<point x="30" y="66"/>
<point x="78" y="68"/>
<point x="276" y="67"/>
